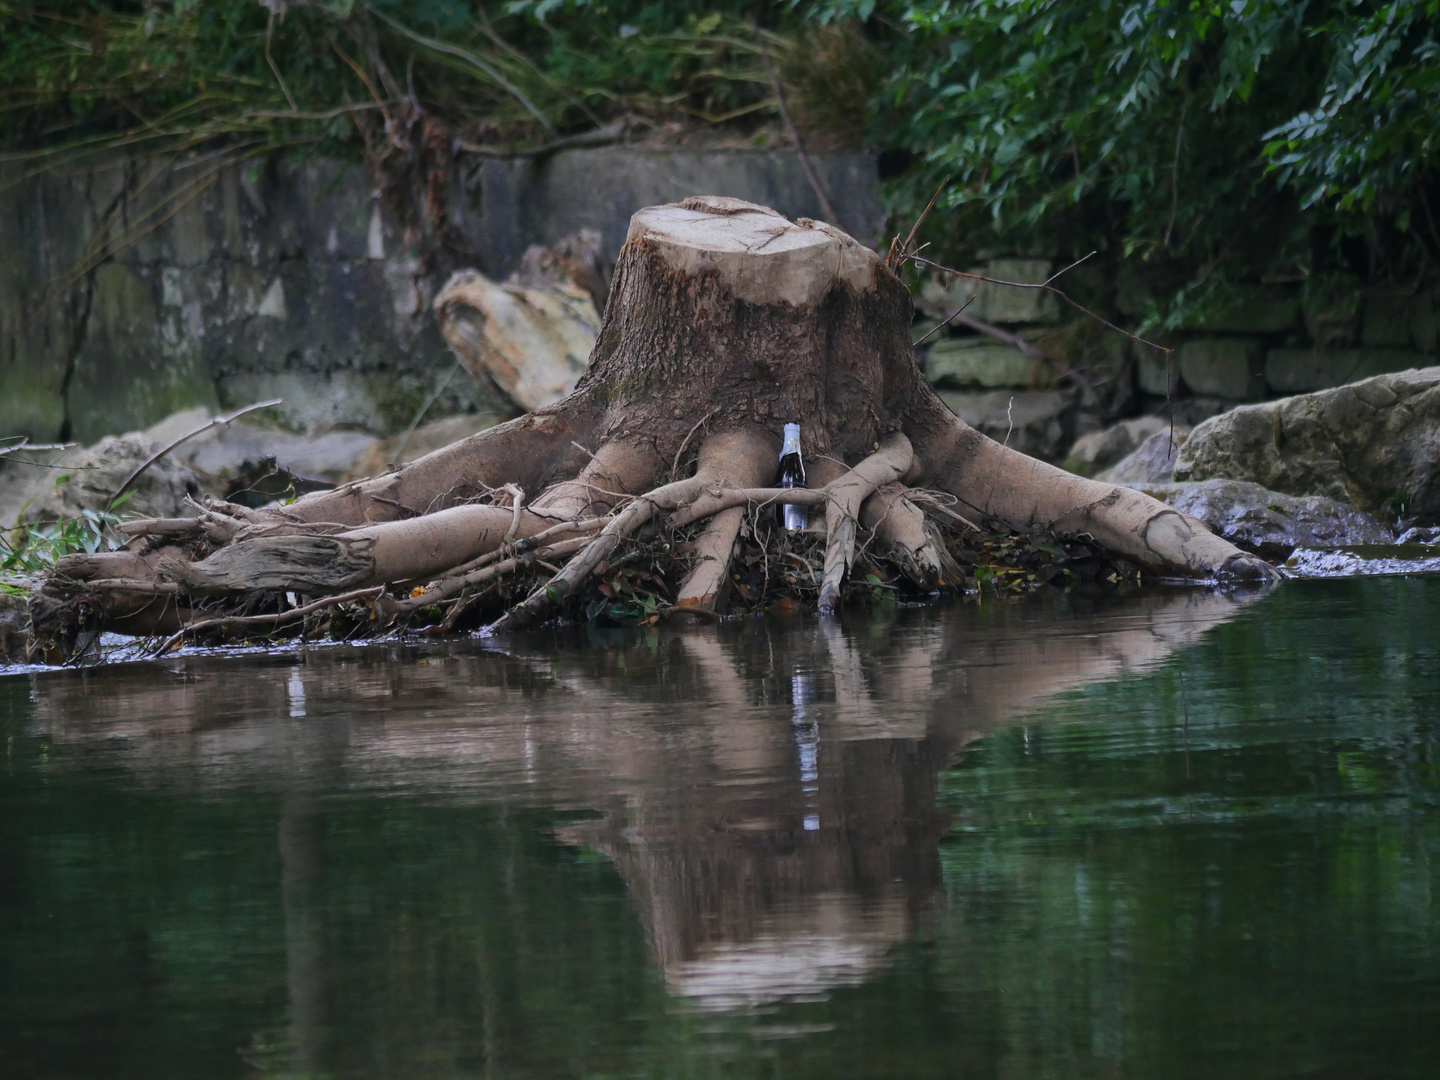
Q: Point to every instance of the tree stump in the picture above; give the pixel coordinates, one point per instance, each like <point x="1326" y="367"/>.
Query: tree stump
<point x="724" y="321"/>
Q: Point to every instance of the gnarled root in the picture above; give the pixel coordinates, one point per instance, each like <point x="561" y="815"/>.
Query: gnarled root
<point x="1005" y="485"/>
<point x="743" y="462"/>
<point x="739" y="450"/>
<point x="906" y="538"/>
<point x="890" y="462"/>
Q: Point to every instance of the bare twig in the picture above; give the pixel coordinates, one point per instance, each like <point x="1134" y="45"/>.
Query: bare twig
<point x="26" y="445"/>
<point x="1029" y="348"/>
<point x="429" y="403"/>
<point x="893" y="258"/>
<point x="449" y="586"/>
<point x="517" y="503"/>
<point x="1038" y="285"/>
<point x="153" y="458"/>
<point x="600" y="136"/>
<point x="269" y="620"/>
<point x="323" y="114"/>
<point x="487" y="69"/>
<point x="925" y="498"/>
<point x="1175" y="176"/>
<point x="934" y="330"/>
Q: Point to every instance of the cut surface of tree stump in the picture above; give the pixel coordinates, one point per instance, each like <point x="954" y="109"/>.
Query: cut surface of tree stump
<point x="724" y="321"/>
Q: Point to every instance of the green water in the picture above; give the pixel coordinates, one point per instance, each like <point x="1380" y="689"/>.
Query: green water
<point x="1173" y="835"/>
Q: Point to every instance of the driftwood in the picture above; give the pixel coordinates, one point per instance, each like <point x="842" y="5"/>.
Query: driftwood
<point x="724" y="321"/>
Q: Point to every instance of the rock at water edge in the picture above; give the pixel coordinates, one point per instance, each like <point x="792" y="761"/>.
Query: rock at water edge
<point x="1374" y="444"/>
<point x="1268" y="523"/>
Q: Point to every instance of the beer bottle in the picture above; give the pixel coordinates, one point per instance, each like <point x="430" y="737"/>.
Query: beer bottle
<point x="792" y="475"/>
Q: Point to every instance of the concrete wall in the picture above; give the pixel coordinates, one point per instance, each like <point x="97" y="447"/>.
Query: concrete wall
<point x="284" y="278"/>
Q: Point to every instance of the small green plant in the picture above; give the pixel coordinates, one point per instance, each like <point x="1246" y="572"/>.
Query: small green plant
<point x="32" y="549"/>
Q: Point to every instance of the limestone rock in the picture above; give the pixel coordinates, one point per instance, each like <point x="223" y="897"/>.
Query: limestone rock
<point x="1290" y="371"/>
<point x="1267" y="522"/>
<point x="1033" y="422"/>
<point x="1101" y="449"/>
<point x="1155" y="372"/>
<point x="225" y="452"/>
<point x="532" y="340"/>
<point x="87" y="479"/>
<point x="978" y="361"/>
<point x="1152" y="462"/>
<point x="1373" y="445"/>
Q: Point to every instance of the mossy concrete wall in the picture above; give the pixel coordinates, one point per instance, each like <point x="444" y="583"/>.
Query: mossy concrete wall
<point x="130" y="289"/>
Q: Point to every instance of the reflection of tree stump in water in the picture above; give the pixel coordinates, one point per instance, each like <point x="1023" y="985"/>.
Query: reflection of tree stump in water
<point x="743" y="902"/>
<point x="724" y="321"/>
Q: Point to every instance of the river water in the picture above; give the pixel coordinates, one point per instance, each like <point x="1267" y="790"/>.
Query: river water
<point x="1174" y="834"/>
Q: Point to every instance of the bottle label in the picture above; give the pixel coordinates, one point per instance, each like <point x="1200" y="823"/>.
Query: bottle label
<point x="792" y="441"/>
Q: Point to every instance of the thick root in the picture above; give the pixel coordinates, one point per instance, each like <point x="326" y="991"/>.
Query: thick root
<point x="419" y="548"/>
<point x="1005" y="485"/>
<point x="744" y="462"/>
<point x="533" y="451"/>
<point x="906" y="538"/>
<point x="886" y="465"/>
<point x="735" y="446"/>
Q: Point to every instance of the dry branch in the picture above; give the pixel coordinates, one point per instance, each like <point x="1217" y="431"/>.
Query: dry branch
<point x="890" y="462"/>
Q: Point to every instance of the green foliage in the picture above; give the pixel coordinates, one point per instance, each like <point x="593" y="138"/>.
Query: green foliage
<point x="1215" y="142"/>
<point x="1375" y="125"/>
<point x="33" y="549"/>
<point x="1211" y="143"/>
<point x="169" y="76"/>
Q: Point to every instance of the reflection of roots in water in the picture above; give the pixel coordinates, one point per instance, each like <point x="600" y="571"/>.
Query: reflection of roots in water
<point x="709" y="754"/>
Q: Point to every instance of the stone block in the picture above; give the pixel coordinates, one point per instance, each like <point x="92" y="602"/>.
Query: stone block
<point x="978" y="362"/>
<point x="140" y="360"/>
<point x="1035" y="422"/>
<point x="1007" y="304"/>
<point x="1290" y="371"/>
<point x="1228" y="367"/>
<point x="1099" y="450"/>
<point x="1333" y="319"/>
<point x="1153" y="461"/>
<point x="995" y="303"/>
<point x="1155" y="372"/>
<point x="282" y="277"/>
<point x="1133" y="290"/>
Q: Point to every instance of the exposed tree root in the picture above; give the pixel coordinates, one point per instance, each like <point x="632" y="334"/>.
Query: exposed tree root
<point x="644" y="492"/>
<point x="842" y="513"/>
